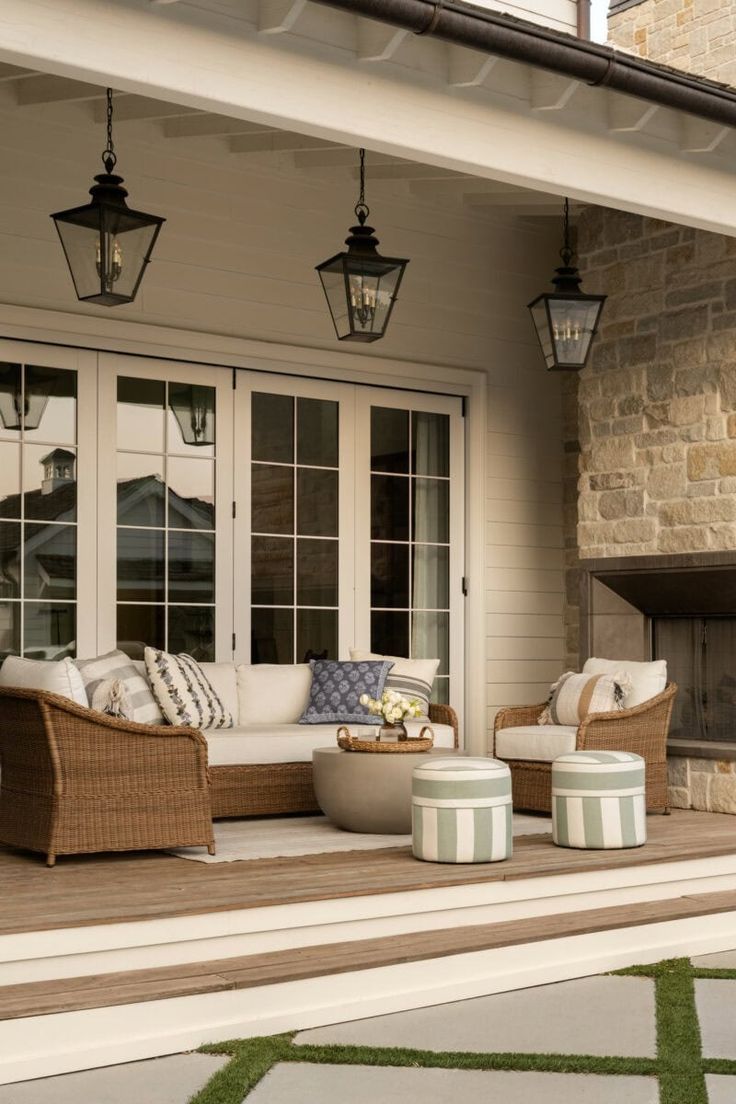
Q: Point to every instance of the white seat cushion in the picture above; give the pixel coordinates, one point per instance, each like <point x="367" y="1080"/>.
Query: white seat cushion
<point x="289" y="743"/>
<point x="539" y="743"/>
<point x="647" y="679"/>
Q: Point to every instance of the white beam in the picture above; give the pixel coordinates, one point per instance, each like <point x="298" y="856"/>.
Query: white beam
<point x="44" y="89"/>
<point x="410" y="117"/>
<point x="550" y="92"/>
<point x="378" y="41"/>
<point x="340" y="157"/>
<point x="279" y="16"/>
<point x="627" y="114"/>
<point x="467" y="68"/>
<point x="701" y="136"/>
<point x="407" y="170"/>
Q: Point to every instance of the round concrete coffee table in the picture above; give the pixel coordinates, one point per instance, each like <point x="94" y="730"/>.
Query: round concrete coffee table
<point x="368" y="791"/>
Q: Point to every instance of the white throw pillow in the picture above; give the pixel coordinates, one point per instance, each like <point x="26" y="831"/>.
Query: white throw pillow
<point x="57" y="676"/>
<point x="221" y="677"/>
<point x="412" y="678"/>
<point x="272" y="693"/>
<point x="184" y="693"/>
<point x="647" y="679"/>
<point x="140" y="704"/>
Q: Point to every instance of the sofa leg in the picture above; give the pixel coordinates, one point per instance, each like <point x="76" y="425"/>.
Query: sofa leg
<point x="51" y="859"/>
<point x="666" y="811"/>
<point x="210" y="849"/>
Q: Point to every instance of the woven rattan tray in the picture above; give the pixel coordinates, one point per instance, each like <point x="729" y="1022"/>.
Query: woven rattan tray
<point x="422" y="742"/>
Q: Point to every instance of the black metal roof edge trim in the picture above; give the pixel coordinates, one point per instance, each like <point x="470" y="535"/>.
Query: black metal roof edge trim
<point x="592" y="63"/>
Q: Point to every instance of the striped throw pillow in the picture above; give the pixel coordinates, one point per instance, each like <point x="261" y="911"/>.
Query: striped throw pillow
<point x="140" y="704"/>
<point x="183" y="691"/>
<point x="573" y="697"/>
<point x="412" y="678"/>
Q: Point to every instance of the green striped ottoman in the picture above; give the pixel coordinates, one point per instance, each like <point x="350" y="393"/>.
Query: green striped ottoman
<point x="461" y="811"/>
<point x="598" y="800"/>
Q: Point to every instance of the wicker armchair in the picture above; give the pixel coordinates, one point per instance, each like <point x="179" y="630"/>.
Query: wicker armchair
<point x="75" y="781"/>
<point x="642" y="729"/>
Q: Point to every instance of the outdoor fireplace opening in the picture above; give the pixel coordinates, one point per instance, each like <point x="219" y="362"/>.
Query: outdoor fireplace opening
<point x="701" y="659"/>
<point x="679" y="608"/>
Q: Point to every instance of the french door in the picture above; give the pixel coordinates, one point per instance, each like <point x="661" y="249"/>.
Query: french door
<point x="274" y="519"/>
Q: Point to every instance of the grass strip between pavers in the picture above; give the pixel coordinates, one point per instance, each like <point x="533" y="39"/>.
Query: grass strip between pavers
<point x="679" y="1065"/>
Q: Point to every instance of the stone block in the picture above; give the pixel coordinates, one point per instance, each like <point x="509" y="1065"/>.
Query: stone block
<point x="697" y="511"/>
<point x="731" y="425"/>
<point x="611" y="481"/>
<point x="700" y="785"/>
<point x="722" y="538"/>
<point x="601" y="408"/>
<point x="724" y="766"/>
<point x="721" y="346"/>
<point x="703" y="291"/>
<point x="684" y="539"/>
<point x="634" y="503"/>
<point x="703" y="490"/>
<point x="727" y="386"/>
<point x="678" y="771"/>
<point x="710" y="461"/>
<point x="673" y="454"/>
<point x="727" y="486"/>
<point x="605" y="356"/>
<point x="631" y="404"/>
<point x="689" y="354"/>
<point x="682" y="324"/>
<point x="667" y="481"/>
<point x="702" y="766"/>
<point x="722" y="793"/>
<point x="611" y="454"/>
<point x="695" y="379"/>
<point x="634" y="531"/>
<point x="693" y="432"/>
<point x="612" y="505"/>
<point x="632" y="424"/>
<point x="679" y="797"/>
<point x="686" y="410"/>
<point x="657" y="414"/>
<point x="656" y="438"/>
<point x="640" y="349"/>
<point x="715" y="427"/>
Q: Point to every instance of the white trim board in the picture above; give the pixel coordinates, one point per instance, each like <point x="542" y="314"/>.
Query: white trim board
<point x="62" y="1043"/>
<point x="136" y="945"/>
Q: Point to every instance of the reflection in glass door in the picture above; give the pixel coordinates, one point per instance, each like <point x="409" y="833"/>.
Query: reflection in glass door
<point x="294" y="528"/>
<point x="38" y="511"/>
<point x="410" y="537"/>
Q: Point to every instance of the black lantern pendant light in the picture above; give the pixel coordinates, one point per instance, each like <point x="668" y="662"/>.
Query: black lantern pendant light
<point x="360" y="285"/>
<point x="106" y="244"/>
<point x="566" y="320"/>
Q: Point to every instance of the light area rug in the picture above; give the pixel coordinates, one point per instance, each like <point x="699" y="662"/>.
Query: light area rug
<point x="245" y="840"/>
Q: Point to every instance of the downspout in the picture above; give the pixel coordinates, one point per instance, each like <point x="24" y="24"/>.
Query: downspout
<point x="584" y="19"/>
<point x="504" y="36"/>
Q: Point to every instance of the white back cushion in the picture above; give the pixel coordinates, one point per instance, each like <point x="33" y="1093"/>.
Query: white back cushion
<point x="56" y="676"/>
<point x="221" y="677"/>
<point x="272" y="693"/>
<point x="647" y="679"/>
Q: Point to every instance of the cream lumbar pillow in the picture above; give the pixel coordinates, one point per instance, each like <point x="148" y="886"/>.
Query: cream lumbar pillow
<point x="412" y="678"/>
<point x="56" y="676"/>
<point x="574" y="697"/>
<point x="183" y="691"/>
<point x="272" y="693"/>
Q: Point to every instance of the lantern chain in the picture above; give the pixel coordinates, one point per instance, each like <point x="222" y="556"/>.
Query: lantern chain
<point x="109" y="157"/>
<point x="567" y="252"/>
<point x="362" y="210"/>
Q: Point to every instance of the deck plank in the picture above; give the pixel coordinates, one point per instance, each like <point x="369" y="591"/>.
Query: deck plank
<point x="113" y="888"/>
<point x="275" y="967"/>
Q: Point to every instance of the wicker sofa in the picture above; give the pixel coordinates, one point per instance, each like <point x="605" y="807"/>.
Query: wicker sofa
<point x="642" y="729"/>
<point x="74" y="780"/>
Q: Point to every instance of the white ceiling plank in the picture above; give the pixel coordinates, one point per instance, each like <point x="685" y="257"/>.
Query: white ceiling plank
<point x="467" y="68"/>
<point x="209" y="126"/>
<point x="279" y="16"/>
<point x="45" y="89"/>
<point x="550" y="92"/>
<point x="457" y="186"/>
<point x="11" y="72"/>
<point x="278" y="141"/>
<point x="378" y="41"/>
<point x="515" y="198"/>
<point x="627" y="114"/>
<point x="406" y="170"/>
<point x="132" y="108"/>
<point x="701" y="136"/>
<point x="341" y="157"/>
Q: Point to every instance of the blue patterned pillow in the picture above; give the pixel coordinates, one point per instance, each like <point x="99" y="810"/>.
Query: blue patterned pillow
<point x="336" y="689"/>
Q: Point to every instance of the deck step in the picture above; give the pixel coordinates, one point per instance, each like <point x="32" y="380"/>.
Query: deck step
<point x="247" y="972"/>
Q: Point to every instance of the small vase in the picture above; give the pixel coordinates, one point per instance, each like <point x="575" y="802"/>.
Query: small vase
<point x="393" y="731"/>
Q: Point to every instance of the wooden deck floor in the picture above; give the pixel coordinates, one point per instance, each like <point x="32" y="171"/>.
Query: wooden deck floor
<point x="111" y="888"/>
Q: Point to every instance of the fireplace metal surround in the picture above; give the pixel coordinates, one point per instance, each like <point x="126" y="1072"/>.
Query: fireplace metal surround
<point x="641" y="607"/>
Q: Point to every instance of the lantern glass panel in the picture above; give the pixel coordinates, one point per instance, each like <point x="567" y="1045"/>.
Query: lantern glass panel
<point x="332" y="276"/>
<point x="106" y="247"/>
<point x="544" y="331"/>
<point x="573" y="323"/>
<point x="372" y="286"/>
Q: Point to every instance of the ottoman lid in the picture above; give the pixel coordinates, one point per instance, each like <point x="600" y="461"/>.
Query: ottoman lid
<point x="461" y="765"/>
<point x="598" y="760"/>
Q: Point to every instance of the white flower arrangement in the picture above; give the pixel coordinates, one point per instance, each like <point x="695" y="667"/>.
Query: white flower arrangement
<point x="391" y="706"/>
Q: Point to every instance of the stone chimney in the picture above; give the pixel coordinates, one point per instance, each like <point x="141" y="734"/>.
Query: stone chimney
<point x="698" y="36"/>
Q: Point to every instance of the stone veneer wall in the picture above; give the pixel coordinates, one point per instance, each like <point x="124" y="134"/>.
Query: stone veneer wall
<point x="695" y="35"/>
<point x="650" y="425"/>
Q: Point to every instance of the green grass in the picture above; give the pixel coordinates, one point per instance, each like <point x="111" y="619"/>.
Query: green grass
<point x="679" y="1065"/>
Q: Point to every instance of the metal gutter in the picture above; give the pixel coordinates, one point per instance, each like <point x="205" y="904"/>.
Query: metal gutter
<point x="505" y="36"/>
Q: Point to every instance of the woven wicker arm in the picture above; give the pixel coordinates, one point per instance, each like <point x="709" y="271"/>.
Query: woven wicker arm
<point x="445" y="714"/>
<point x="75" y="780"/>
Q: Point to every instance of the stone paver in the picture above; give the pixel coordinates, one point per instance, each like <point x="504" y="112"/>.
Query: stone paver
<point x="721" y="1090"/>
<point x="171" y="1080"/>
<point x="716" y="1004"/>
<point x="596" y="1015"/>
<point x="722" y="960"/>
<point x="294" y="1083"/>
